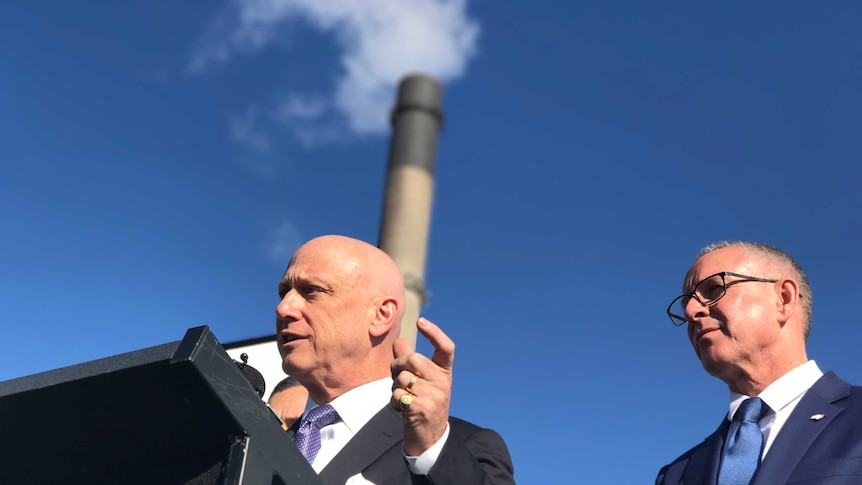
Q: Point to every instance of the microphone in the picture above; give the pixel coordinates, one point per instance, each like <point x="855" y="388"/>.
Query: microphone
<point x="252" y="375"/>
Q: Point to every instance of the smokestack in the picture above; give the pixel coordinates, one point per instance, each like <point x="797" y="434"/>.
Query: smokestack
<point x="416" y="120"/>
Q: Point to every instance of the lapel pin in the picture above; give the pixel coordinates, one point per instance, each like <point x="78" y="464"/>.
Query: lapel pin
<point x="817" y="417"/>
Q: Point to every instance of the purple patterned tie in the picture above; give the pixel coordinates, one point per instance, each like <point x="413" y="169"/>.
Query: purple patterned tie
<point x="307" y="437"/>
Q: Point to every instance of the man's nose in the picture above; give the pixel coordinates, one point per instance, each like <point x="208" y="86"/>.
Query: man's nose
<point x="695" y="309"/>
<point x="288" y="307"/>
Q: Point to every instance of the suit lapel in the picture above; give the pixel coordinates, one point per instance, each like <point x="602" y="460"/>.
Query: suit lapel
<point x="703" y="464"/>
<point x="378" y="435"/>
<point x="799" y="432"/>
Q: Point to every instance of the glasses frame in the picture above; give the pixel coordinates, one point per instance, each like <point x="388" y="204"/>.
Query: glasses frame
<point x="680" y="321"/>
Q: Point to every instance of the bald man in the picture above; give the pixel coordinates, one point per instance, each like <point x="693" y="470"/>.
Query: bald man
<point x="379" y="412"/>
<point x="747" y="307"/>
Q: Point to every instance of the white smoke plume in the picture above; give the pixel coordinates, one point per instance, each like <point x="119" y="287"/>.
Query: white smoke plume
<point x="379" y="41"/>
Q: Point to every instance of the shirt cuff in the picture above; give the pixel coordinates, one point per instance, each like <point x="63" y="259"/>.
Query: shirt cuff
<point x="422" y="464"/>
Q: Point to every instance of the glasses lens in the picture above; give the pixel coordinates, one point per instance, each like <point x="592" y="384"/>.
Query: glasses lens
<point x="707" y="291"/>
<point x="676" y="310"/>
<point x="710" y="289"/>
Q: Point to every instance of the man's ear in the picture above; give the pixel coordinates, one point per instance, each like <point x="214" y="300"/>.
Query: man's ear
<point x="385" y="313"/>
<point x="788" y="299"/>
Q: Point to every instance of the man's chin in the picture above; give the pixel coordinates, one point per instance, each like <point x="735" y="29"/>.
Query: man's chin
<point x="712" y="366"/>
<point x="289" y="368"/>
<point x="293" y="368"/>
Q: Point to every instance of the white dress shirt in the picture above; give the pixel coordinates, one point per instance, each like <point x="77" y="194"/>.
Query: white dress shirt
<point x="355" y="408"/>
<point x="781" y="396"/>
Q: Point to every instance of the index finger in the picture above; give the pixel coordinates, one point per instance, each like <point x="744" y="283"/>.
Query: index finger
<point x="444" y="347"/>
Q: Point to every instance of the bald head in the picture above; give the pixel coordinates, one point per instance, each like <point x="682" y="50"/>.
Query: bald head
<point x="342" y="301"/>
<point x="366" y="268"/>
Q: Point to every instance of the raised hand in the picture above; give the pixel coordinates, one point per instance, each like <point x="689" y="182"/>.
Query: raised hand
<point x="422" y="388"/>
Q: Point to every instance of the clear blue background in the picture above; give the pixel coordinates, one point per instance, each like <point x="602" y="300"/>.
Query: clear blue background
<point x="590" y="150"/>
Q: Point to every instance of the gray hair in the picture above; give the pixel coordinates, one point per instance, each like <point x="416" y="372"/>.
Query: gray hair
<point x="774" y="254"/>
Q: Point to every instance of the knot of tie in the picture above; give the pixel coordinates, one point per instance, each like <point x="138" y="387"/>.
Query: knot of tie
<point x="307" y="437"/>
<point x="751" y="410"/>
<point x="744" y="444"/>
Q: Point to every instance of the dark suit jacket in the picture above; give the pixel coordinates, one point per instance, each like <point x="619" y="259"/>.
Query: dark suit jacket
<point x="471" y="455"/>
<point x="827" y="451"/>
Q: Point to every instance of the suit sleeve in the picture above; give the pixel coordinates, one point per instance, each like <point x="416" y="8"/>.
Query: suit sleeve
<point x="659" y="479"/>
<point x="471" y="455"/>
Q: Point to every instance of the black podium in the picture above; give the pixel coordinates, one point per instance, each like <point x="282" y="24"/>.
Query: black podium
<point x="178" y="413"/>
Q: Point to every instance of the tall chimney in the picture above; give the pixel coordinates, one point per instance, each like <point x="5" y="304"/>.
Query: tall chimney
<point x="416" y="121"/>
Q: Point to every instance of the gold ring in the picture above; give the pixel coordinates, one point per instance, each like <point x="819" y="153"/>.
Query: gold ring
<point x="406" y="401"/>
<point x="413" y="380"/>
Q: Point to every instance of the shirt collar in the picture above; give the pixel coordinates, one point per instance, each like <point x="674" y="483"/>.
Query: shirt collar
<point x="784" y="390"/>
<point x="358" y="405"/>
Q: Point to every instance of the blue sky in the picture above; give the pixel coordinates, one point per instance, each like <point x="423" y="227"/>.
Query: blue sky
<point x="161" y="160"/>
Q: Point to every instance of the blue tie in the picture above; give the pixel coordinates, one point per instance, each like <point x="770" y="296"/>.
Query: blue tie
<point x="743" y="446"/>
<point x="307" y="437"/>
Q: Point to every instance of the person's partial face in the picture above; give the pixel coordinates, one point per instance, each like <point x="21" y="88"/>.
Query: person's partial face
<point x="322" y="318"/>
<point x="289" y="404"/>
<point x="737" y="329"/>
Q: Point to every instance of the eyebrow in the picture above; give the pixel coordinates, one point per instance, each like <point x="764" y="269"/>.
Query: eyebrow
<point x="697" y="282"/>
<point x="286" y="283"/>
<point x="283" y="286"/>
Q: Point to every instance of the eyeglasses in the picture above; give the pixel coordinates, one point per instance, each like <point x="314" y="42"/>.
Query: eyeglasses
<point x="708" y="291"/>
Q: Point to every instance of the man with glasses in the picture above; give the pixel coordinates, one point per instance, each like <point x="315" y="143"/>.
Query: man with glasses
<point x="747" y="308"/>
